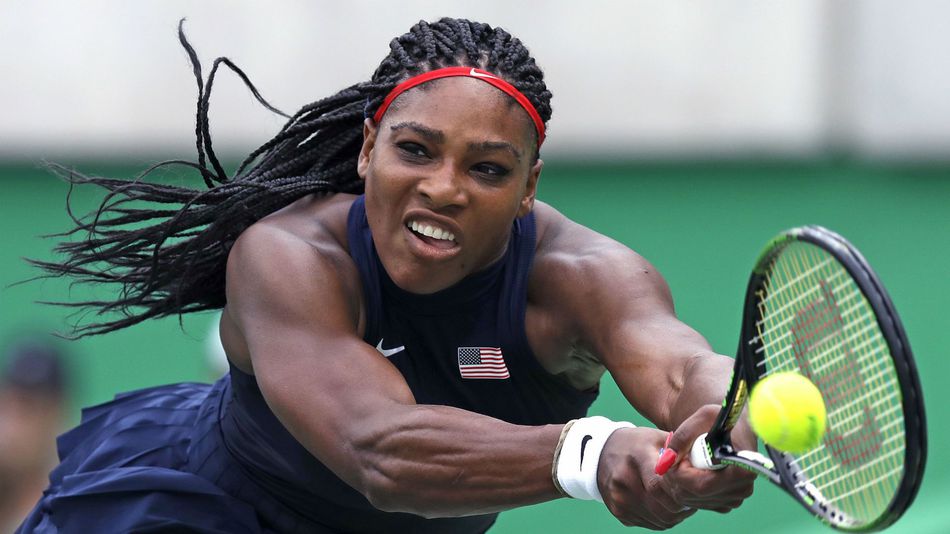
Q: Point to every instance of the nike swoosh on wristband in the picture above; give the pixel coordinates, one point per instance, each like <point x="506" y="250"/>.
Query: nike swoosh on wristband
<point x="388" y="352"/>
<point x="584" y="441"/>
<point x="480" y="75"/>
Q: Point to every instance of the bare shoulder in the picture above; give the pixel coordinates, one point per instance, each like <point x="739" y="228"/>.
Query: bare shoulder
<point x="585" y="287"/>
<point x="296" y="243"/>
<point x="284" y="266"/>
<point x="312" y="228"/>
<point x="319" y="221"/>
<point x="572" y="258"/>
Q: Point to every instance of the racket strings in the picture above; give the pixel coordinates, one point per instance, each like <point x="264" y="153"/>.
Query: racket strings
<point x="815" y="320"/>
<point x="870" y="484"/>
<point x="840" y="474"/>
<point x="858" y="306"/>
<point x="777" y="357"/>
<point x="832" y="356"/>
<point x="877" y="405"/>
<point x="827" y="461"/>
<point x="797" y="298"/>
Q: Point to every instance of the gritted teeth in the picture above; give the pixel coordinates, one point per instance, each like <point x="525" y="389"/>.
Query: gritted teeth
<point x="431" y="231"/>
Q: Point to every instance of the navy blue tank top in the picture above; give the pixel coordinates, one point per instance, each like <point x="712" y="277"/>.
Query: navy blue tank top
<point x="464" y="347"/>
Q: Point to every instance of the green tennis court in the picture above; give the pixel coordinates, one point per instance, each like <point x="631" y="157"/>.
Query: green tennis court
<point x="701" y="224"/>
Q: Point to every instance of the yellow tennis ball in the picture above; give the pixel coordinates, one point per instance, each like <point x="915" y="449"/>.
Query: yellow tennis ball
<point x="786" y="410"/>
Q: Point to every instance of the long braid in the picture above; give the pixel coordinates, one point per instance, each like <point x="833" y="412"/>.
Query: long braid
<point x="168" y="256"/>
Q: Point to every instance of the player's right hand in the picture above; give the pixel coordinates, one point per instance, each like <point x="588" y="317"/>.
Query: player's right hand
<point x="720" y="490"/>
<point x="632" y="491"/>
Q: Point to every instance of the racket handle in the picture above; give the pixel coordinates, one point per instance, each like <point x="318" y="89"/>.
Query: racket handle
<point x="700" y="455"/>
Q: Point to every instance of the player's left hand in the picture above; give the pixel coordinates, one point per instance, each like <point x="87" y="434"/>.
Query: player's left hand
<point x="721" y="490"/>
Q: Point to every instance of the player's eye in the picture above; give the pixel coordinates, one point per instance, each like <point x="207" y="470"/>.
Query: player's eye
<point x="412" y="150"/>
<point x="491" y="171"/>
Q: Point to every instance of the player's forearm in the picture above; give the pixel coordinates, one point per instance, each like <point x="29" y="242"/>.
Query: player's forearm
<point x="437" y="461"/>
<point x="362" y="421"/>
<point x="705" y="381"/>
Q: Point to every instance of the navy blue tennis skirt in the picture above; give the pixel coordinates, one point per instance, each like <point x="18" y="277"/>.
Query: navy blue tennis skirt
<point x="148" y="461"/>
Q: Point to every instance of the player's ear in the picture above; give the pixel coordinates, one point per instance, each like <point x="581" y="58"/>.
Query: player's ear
<point x="369" y="142"/>
<point x="531" y="189"/>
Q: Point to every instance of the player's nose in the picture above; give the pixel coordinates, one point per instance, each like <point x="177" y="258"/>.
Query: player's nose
<point x="443" y="187"/>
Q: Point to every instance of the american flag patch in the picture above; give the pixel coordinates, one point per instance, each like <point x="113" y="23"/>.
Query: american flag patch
<point x="482" y="362"/>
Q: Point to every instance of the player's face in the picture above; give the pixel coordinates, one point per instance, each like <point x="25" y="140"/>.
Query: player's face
<point x="447" y="170"/>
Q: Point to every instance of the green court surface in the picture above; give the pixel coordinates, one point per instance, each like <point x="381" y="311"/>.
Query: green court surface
<point x="701" y="225"/>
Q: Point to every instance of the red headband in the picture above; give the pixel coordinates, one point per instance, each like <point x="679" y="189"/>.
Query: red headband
<point x="469" y="72"/>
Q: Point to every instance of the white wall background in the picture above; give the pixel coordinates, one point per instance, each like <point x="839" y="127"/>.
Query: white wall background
<point x="653" y="78"/>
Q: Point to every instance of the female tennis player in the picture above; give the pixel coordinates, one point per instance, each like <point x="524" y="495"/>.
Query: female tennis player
<point x="414" y="340"/>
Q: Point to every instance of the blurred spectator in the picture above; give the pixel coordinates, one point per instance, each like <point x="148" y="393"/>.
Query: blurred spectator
<point x="32" y="413"/>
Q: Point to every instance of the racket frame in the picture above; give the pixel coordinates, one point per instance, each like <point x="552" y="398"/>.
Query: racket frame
<point x="780" y="467"/>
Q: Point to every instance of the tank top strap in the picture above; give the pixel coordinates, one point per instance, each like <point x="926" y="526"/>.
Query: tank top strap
<point x="363" y="252"/>
<point x="513" y="303"/>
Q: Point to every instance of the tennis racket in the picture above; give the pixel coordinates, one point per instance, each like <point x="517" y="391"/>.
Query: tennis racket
<point x="814" y="306"/>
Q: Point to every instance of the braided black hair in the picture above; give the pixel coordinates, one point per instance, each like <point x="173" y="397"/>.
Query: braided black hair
<point x="172" y="261"/>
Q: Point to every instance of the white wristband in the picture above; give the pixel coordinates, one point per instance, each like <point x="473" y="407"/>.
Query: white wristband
<point x="578" y="455"/>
